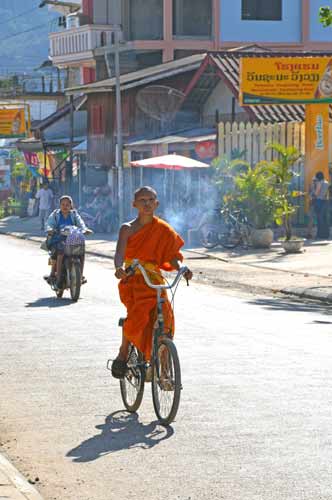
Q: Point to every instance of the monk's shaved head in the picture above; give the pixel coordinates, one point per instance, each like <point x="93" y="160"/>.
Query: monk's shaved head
<point x="145" y="190"/>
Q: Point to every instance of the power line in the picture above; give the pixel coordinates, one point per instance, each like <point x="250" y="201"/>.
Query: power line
<point x="19" y="15"/>
<point x="23" y="32"/>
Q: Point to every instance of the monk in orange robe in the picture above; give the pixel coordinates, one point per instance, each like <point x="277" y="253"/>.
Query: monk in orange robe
<point x="157" y="246"/>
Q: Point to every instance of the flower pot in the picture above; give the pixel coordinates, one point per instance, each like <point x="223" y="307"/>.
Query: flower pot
<point x="292" y="246"/>
<point x="261" y="238"/>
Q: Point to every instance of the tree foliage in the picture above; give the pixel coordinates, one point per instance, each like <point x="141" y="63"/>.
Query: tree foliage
<point x="325" y="16"/>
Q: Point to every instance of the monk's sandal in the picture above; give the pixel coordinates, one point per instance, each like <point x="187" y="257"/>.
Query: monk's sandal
<point x="119" y="368"/>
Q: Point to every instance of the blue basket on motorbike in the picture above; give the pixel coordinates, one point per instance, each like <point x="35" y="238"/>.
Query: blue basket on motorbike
<point x="75" y="242"/>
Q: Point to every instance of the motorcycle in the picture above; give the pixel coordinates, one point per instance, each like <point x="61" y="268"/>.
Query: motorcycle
<point x="71" y="269"/>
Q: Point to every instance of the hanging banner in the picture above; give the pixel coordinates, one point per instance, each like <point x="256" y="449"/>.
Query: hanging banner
<point x="35" y="163"/>
<point x="317" y="138"/>
<point x="12" y="123"/>
<point x="285" y="80"/>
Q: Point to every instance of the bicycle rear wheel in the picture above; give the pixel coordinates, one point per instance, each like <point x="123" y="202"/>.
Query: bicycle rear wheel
<point x="229" y="236"/>
<point x="132" y="384"/>
<point x="166" y="382"/>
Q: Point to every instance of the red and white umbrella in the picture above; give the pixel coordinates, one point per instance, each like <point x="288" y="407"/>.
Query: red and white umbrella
<point x="170" y="162"/>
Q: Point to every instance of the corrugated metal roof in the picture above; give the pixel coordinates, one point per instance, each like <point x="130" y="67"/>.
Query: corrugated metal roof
<point x="143" y="76"/>
<point x="171" y="139"/>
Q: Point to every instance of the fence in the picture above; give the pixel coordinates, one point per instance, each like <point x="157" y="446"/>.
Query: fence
<point x="253" y="138"/>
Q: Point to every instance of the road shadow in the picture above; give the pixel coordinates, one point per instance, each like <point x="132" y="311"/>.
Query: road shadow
<point x="50" y="302"/>
<point x="121" y="431"/>
<point x="292" y="305"/>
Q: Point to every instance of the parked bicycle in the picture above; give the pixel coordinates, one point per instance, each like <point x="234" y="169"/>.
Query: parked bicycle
<point x="226" y="228"/>
<point x="164" y="364"/>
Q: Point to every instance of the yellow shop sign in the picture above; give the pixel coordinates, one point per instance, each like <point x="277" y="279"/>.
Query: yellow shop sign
<point x="285" y="80"/>
<point x="12" y="122"/>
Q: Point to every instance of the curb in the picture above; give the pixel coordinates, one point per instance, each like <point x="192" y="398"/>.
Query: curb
<point x="311" y="294"/>
<point x="17" y="482"/>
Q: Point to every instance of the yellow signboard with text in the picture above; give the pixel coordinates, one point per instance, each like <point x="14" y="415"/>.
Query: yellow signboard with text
<point x="12" y="122"/>
<point x="285" y="80"/>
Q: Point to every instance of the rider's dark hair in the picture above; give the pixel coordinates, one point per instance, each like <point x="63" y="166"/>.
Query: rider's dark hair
<point x="320" y="176"/>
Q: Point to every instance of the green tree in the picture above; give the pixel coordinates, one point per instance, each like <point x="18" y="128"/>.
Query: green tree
<point x="325" y="16"/>
<point x="281" y="171"/>
<point x="255" y="194"/>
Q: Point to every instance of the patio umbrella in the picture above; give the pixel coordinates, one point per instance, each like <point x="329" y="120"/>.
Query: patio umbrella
<point x="170" y="162"/>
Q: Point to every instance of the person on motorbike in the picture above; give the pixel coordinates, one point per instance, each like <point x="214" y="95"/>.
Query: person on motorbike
<point x="59" y="219"/>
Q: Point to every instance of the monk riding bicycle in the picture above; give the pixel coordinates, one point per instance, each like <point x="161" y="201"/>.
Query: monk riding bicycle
<point x="156" y="245"/>
<point x="164" y="366"/>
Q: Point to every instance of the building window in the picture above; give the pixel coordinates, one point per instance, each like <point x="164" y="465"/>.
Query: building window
<point x="261" y="10"/>
<point x="192" y="18"/>
<point x="144" y="19"/>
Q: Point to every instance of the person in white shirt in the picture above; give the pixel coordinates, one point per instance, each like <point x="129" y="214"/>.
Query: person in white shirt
<point x="45" y="197"/>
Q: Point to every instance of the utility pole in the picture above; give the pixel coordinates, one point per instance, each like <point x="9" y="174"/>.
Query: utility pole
<point x="69" y="170"/>
<point x="119" y="152"/>
<point x="115" y="49"/>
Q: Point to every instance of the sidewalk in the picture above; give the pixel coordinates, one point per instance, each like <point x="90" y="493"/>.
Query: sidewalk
<point x="305" y="275"/>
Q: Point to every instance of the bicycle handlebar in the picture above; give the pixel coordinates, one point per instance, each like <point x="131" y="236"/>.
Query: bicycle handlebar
<point x="136" y="264"/>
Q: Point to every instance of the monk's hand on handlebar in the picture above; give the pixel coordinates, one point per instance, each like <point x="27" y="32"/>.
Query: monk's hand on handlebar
<point x="187" y="276"/>
<point x="120" y="273"/>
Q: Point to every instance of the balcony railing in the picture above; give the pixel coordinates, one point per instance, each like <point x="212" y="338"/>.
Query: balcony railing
<point x="77" y="44"/>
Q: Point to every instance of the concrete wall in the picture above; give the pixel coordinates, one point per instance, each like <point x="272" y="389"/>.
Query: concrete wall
<point x="233" y="28"/>
<point x="221" y="100"/>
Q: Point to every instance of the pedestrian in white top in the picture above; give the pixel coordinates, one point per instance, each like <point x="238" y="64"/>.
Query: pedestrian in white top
<point x="45" y="197"/>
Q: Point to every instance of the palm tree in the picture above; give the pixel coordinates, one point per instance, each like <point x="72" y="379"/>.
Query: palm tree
<point x="281" y="170"/>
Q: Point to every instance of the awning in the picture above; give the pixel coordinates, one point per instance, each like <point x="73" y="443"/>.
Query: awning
<point x="192" y="136"/>
<point x="170" y="162"/>
<point x="81" y="148"/>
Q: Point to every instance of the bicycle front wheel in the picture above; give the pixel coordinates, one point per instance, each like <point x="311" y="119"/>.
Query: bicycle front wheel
<point x="132" y="384"/>
<point x="166" y="382"/>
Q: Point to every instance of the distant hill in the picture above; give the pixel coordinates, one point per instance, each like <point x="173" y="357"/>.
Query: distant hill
<point x="23" y="51"/>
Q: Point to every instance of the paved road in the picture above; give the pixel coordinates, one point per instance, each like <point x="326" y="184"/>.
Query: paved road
<point x="255" y="416"/>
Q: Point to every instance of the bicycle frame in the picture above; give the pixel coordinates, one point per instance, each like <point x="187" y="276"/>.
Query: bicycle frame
<point x="159" y="331"/>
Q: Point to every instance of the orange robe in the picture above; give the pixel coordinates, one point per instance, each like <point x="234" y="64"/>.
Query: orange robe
<point x="155" y="244"/>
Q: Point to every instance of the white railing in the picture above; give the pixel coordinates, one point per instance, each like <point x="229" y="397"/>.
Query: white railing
<point x="74" y="42"/>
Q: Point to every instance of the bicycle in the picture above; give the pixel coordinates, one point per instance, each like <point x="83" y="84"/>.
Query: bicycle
<point x="165" y="364"/>
<point x="228" y="229"/>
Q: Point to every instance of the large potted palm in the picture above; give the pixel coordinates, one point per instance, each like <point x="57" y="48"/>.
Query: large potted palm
<point x="281" y="170"/>
<point x="255" y="195"/>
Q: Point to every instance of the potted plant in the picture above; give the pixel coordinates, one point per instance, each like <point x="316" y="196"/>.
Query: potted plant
<point x="281" y="171"/>
<point x="255" y="195"/>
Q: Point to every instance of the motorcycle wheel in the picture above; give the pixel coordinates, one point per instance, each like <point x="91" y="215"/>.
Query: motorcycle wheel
<point x="75" y="280"/>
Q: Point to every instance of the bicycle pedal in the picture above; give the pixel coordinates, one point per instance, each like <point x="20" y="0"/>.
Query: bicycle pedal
<point x="109" y="364"/>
